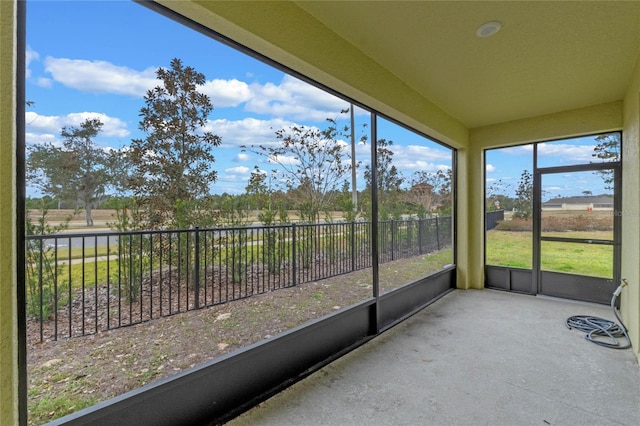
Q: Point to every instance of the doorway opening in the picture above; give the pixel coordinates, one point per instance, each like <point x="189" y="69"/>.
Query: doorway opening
<point x="559" y="231"/>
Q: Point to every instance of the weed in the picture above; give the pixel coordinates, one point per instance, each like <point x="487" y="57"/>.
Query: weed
<point x="44" y="294"/>
<point x="48" y="408"/>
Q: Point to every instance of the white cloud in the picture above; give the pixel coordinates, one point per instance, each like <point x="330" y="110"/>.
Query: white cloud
<point x="285" y="160"/>
<point x="426" y="152"/>
<point x="490" y="168"/>
<point x="30" y="55"/>
<point x="101" y="76"/>
<point x="565" y="151"/>
<point x="40" y="138"/>
<point x="226" y="93"/>
<point x="248" y="131"/>
<point x="295" y="99"/>
<point x="413" y="158"/>
<point x="239" y="170"/>
<point x="232" y="180"/>
<point x="44" y="82"/>
<point x="291" y="98"/>
<point x="242" y="157"/>
<point x="52" y="124"/>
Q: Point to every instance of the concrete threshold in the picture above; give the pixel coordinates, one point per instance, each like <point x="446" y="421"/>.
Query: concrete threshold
<point x="474" y="357"/>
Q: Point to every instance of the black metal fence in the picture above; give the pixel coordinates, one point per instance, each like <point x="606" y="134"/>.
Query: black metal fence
<point x="493" y="218"/>
<point x="80" y="284"/>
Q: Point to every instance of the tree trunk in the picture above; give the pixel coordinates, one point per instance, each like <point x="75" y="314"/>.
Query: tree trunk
<point x="87" y="215"/>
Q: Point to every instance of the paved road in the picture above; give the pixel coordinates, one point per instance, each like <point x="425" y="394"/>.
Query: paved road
<point x="63" y="242"/>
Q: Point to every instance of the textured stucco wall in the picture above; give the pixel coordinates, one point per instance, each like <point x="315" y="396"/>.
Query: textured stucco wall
<point x="8" y="318"/>
<point x="589" y="120"/>
<point x="470" y="223"/>
<point x="630" y="298"/>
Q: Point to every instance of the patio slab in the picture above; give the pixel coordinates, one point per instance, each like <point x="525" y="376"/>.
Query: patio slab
<point x="474" y="357"/>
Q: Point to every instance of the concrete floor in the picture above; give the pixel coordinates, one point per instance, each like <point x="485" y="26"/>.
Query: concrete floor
<point x="476" y="357"/>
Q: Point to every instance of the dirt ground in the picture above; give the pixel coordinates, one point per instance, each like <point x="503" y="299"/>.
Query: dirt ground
<point x="67" y="375"/>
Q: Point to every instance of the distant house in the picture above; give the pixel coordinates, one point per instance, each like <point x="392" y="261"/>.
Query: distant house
<point x="588" y="203"/>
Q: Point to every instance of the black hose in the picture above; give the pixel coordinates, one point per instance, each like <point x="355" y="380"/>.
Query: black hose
<point x="596" y="328"/>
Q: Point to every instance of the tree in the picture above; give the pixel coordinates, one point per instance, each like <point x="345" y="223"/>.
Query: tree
<point x="173" y="164"/>
<point x="313" y="163"/>
<point x="607" y="150"/>
<point x="261" y="193"/>
<point x="389" y="180"/>
<point x="523" y="204"/>
<point x="443" y="185"/>
<point x="78" y="170"/>
<point x="496" y="198"/>
<point x="344" y="201"/>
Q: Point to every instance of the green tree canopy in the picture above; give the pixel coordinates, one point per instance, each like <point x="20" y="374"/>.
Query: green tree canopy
<point x="523" y="204"/>
<point x="607" y="150"/>
<point x="389" y="181"/>
<point x="78" y="170"/>
<point x="313" y="163"/>
<point x="173" y="165"/>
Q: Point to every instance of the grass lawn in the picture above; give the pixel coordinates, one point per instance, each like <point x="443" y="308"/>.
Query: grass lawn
<point x="515" y="249"/>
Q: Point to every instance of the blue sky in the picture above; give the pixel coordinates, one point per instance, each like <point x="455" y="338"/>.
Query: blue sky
<point x="504" y="167"/>
<point x="98" y="59"/>
<point x="89" y="59"/>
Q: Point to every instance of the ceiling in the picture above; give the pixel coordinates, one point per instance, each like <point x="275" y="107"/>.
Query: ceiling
<point x="548" y="56"/>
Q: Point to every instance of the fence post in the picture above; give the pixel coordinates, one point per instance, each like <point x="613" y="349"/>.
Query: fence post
<point x="196" y="272"/>
<point x="294" y="254"/>
<point x="420" y="225"/>
<point x="393" y="239"/>
<point x="353" y="246"/>
<point x="437" y="234"/>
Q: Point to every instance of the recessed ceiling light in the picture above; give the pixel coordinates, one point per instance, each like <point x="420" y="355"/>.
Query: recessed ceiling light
<point x="488" y="29"/>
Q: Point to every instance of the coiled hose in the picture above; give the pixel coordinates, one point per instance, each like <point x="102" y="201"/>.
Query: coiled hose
<point x="598" y="328"/>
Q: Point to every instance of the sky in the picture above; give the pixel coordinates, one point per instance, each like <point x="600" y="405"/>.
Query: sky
<point x="504" y="168"/>
<point x="97" y="59"/>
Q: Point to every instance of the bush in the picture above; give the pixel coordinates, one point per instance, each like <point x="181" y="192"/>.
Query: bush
<point x="515" y="225"/>
<point x="559" y="224"/>
<point x="44" y="293"/>
<point x="577" y="223"/>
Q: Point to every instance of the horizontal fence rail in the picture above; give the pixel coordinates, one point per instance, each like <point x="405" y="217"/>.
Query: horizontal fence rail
<point x="85" y="283"/>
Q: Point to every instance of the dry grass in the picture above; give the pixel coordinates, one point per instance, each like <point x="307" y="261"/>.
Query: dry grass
<point x="67" y="375"/>
<point x="563" y="222"/>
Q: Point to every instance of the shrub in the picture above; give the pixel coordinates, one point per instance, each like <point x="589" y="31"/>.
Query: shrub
<point x="576" y="223"/>
<point x="559" y="224"/>
<point x="44" y="294"/>
<point x="515" y="225"/>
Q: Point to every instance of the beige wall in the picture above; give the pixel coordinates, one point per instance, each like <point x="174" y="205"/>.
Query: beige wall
<point x="470" y="214"/>
<point x="8" y="262"/>
<point x="630" y="298"/>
